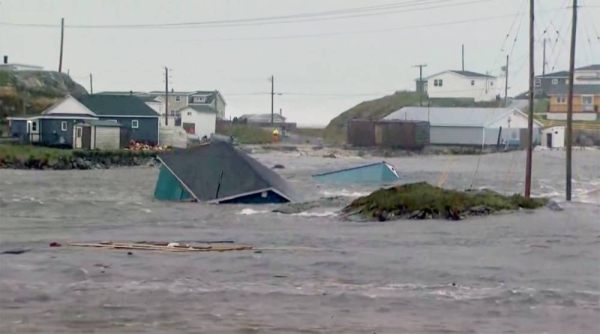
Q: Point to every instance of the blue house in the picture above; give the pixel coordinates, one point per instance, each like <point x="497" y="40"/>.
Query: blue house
<point x="380" y="172"/>
<point x="55" y="125"/>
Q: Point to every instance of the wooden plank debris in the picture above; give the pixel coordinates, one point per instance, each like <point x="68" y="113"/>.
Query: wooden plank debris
<point x="168" y="247"/>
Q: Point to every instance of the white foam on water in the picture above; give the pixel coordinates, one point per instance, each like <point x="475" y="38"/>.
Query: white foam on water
<point x="248" y="212"/>
<point x="315" y="214"/>
<point x="344" y="193"/>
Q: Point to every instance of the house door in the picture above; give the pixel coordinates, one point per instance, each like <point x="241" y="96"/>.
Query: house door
<point x="33" y="131"/>
<point x="86" y="137"/>
<point x="78" y="143"/>
<point x="549" y="139"/>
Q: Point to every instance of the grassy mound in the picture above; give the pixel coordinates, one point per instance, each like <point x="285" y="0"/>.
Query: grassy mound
<point x="245" y="134"/>
<point x="424" y="201"/>
<point x="335" y="132"/>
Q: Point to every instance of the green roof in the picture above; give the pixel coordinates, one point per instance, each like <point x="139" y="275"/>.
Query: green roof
<point x="117" y="105"/>
<point x="202" y="108"/>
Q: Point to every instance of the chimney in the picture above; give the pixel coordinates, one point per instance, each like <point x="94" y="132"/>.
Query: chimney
<point x="5" y="60"/>
<point x="130" y="93"/>
<point x="172" y="90"/>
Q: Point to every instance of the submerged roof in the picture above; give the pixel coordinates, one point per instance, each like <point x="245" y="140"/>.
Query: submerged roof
<point x="218" y="172"/>
<point x="375" y="172"/>
<point x="117" y="105"/>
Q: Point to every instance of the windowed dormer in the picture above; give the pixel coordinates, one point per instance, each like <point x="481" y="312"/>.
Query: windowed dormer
<point x="199" y="99"/>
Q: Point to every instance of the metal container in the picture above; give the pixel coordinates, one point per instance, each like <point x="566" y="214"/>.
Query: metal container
<point x="361" y="132"/>
<point x="408" y="135"/>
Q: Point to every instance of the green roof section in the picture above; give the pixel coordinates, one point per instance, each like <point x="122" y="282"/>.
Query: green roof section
<point x="202" y="108"/>
<point x="117" y="105"/>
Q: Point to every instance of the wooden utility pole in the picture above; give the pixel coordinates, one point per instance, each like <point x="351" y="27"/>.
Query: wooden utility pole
<point x="62" y="39"/>
<point x="166" y="96"/>
<point x="272" y="100"/>
<point x="570" y="103"/>
<point x="543" y="67"/>
<point x="421" y="82"/>
<point x="531" y="100"/>
<point x="506" y="83"/>
<point x="463" y="57"/>
<point x="91" y="84"/>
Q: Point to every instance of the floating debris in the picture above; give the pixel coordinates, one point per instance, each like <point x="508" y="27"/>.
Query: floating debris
<point x="168" y="247"/>
<point x="380" y="172"/>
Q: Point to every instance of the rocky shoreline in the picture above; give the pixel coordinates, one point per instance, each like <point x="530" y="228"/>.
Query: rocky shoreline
<point x="82" y="160"/>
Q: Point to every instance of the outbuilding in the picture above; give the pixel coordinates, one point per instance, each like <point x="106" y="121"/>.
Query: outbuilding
<point x="470" y="126"/>
<point x="99" y="135"/>
<point x="553" y="137"/>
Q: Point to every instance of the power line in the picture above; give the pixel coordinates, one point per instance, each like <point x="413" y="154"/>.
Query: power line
<point x="298" y="18"/>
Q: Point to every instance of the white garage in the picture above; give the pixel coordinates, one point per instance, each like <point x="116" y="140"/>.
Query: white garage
<point x="97" y="135"/>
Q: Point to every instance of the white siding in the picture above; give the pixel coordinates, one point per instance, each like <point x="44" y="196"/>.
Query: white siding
<point x="106" y="138"/>
<point x="204" y="122"/>
<point x="576" y="116"/>
<point x="517" y="121"/>
<point x="586" y="74"/>
<point x="458" y="86"/>
<point x="558" y="136"/>
<point x="69" y="105"/>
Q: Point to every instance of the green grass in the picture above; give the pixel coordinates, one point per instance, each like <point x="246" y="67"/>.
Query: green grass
<point x="8" y="152"/>
<point x="309" y="132"/>
<point x="422" y="200"/>
<point x="335" y="132"/>
<point x="245" y="134"/>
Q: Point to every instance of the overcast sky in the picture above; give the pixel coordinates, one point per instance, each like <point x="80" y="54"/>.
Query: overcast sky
<point x="322" y="67"/>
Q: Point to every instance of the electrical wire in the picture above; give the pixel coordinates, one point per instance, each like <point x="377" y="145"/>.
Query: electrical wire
<point x="297" y="18"/>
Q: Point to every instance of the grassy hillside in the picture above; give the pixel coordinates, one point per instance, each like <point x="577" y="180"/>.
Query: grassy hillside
<point x="30" y="92"/>
<point x="335" y="132"/>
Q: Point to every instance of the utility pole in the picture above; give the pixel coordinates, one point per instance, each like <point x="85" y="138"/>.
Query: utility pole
<point x="543" y="67"/>
<point x="91" y="84"/>
<point x="531" y="93"/>
<point x="421" y="82"/>
<point x="166" y="96"/>
<point x="272" y="99"/>
<point x="506" y="83"/>
<point x="570" y="103"/>
<point x="62" y="39"/>
<point x="463" y="57"/>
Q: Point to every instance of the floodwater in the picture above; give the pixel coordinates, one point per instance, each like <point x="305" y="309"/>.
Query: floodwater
<point x="521" y="273"/>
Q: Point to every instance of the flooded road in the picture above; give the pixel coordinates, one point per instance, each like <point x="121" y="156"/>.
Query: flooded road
<point x="521" y="273"/>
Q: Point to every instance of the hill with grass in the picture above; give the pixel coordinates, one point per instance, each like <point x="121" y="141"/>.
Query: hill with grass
<point x="335" y="132"/>
<point x="30" y="92"/>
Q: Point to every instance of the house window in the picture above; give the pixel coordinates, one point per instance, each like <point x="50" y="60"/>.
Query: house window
<point x="189" y="113"/>
<point x="537" y="82"/>
<point x="555" y="81"/>
<point x="438" y="82"/>
<point x="472" y="82"/>
<point x="587" y="100"/>
<point x="172" y="112"/>
<point x="63" y="126"/>
<point x="200" y="99"/>
<point x="491" y="83"/>
<point x="177" y="98"/>
<point x="561" y="99"/>
<point x="134" y="124"/>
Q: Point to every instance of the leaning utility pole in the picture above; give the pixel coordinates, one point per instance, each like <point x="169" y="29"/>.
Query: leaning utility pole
<point x="531" y="101"/>
<point x="62" y="38"/>
<point x="506" y="83"/>
<point x="421" y="82"/>
<point x="91" y="84"/>
<point x="272" y="99"/>
<point x="166" y="96"/>
<point x="570" y="102"/>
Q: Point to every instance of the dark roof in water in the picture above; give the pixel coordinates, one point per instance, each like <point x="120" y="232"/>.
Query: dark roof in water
<point x="117" y="105"/>
<point x="199" y="169"/>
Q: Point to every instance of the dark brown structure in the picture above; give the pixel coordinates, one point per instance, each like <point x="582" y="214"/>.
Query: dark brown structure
<point x="408" y="135"/>
<point x="361" y="132"/>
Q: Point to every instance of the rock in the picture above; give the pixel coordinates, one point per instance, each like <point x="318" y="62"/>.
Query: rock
<point x="317" y="148"/>
<point x="292" y="208"/>
<point x="479" y="210"/>
<point x="330" y="155"/>
<point x="278" y="166"/>
<point x="554" y="206"/>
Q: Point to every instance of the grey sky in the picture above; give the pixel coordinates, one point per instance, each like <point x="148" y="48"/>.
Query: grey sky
<point x="330" y="73"/>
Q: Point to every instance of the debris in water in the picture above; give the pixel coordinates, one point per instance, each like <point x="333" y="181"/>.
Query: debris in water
<point x="16" y="251"/>
<point x="55" y="244"/>
<point x="174" y="247"/>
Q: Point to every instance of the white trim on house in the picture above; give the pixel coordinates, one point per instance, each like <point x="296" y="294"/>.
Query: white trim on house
<point x="130" y="116"/>
<point x="48" y="117"/>
<point x="135" y="125"/>
<point x="64" y="126"/>
<point x="50" y="110"/>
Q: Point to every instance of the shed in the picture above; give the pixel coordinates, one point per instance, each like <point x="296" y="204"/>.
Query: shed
<point x="553" y="137"/>
<point x="99" y="135"/>
<point x="380" y="172"/>
<point x="218" y="173"/>
<point x="408" y="135"/>
<point x="361" y="132"/>
<point x="469" y="126"/>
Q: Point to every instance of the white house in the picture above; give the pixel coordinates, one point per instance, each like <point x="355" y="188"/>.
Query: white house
<point x="468" y="126"/>
<point x="587" y="75"/>
<point x="553" y="137"/>
<point x="461" y="85"/>
<point x="20" y="67"/>
<point x="199" y="120"/>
